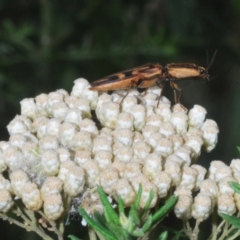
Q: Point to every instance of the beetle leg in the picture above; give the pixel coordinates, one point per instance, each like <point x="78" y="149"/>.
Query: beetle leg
<point x="161" y="85"/>
<point x="176" y="88"/>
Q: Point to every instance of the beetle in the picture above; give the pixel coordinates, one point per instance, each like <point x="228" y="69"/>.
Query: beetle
<point x="152" y="74"/>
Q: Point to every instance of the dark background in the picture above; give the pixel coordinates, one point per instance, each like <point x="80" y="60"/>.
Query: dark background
<point x="45" y="45"/>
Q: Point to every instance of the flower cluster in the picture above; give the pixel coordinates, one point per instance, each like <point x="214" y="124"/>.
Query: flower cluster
<point x="57" y="150"/>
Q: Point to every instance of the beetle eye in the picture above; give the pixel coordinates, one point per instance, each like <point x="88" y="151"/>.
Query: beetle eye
<point x="201" y="71"/>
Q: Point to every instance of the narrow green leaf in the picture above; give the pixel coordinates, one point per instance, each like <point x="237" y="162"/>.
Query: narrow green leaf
<point x="138" y="232"/>
<point x="134" y="216"/>
<point x="148" y="223"/>
<point x="120" y="206"/>
<point x="165" y="209"/>
<point x="119" y="232"/>
<point x="148" y="203"/>
<point x="163" y="236"/>
<point x="238" y="148"/>
<point x="73" y="237"/>
<point x="110" y="214"/>
<point x="138" y="198"/>
<point x="104" y="231"/>
<point x="235" y="186"/>
<point x="235" y="221"/>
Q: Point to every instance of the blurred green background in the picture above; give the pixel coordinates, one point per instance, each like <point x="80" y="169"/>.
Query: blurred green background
<point x="45" y="45"/>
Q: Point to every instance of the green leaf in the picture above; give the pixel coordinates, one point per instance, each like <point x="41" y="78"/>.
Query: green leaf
<point x="138" y="198"/>
<point x="238" y="148"/>
<point x="73" y="237"/>
<point x="119" y="232"/>
<point x="165" y="209"/>
<point x="148" y="223"/>
<point x="110" y="214"/>
<point x="163" y="236"/>
<point x="120" y="206"/>
<point x="235" y="221"/>
<point x="235" y="186"/>
<point x="148" y="203"/>
<point x="96" y="226"/>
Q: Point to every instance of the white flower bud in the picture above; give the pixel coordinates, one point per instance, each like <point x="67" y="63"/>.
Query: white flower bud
<point x="139" y="115"/>
<point x="163" y="183"/>
<point x="154" y="120"/>
<point x="201" y="172"/>
<point x="149" y="110"/>
<point x="30" y="154"/>
<point x="177" y="141"/>
<point x="125" y="120"/>
<point x="51" y="185"/>
<point x="82" y="156"/>
<point x="6" y="201"/>
<point x="235" y="166"/>
<point x="154" y="139"/>
<point x="103" y="159"/>
<point x="150" y="99"/>
<point x="179" y="121"/>
<point x="5" y="184"/>
<point x="68" y="133"/>
<point x="196" y="116"/>
<point x="65" y="167"/>
<point x="156" y="90"/>
<point x="31" y="196"/>
<point x="164" y="146"/>
<point x="210" y="134"/>
<point x="83" y="105"/>
<point x="129" y="102"/>
<point x="53" y="98"/>
<point x="147" y="131"/>
<point x="173" y="169"/>
<point x="70" y="101"/>
<point x="82" y="141"/>
<point x="226" y="204"/>
<point x="17" y="140"/>
<point x="89" y="125"/>
<point x="147" y="187"/>
<point x="138" y="137"/>
<point x="184" y="153"/>
<point x="174" y="158"/>
<point x="92" y="172"/>
<point x="195" y="143"/>
<point x="13" y="158"/>
<point x="53" y="206"/>
<point x="166" y="129"/>
<point x="189" y="176"/>
<point x="4" y="145"/>
<point x="124" y="136"/>
<point x="48" y="142"/>
<point x="74" y="182"/>
<point x="224" y="187"/>
<point x="209" y="186"/>
<point x="124" y="190"/>
<point x="73" y="115"/>
<point x="110" y="112"/>
<point x="117" y="146"/>
<point x="18" y="179"/>
<point x="131" y="170"/>
<point x="79" y="86"/>
<point x="62" y="92"/>
<point x="50" y="162"/>
<point x="141" y="150"/>
<point x="218" y="171"/>
<point x="101" y="144"/>
<point x="59" y="110"/>
<point x="124" y="154"/>
<point x="103" y="98"/>
<point x="63" y="154"/>
<point x="41" y="104"/>
<point x="91" y="96"/>
<point x="40" y="126"/>
<point x="183" y="208"/>
<point x="164" y="110"/>
<point x="28" y="107"/>
<point x="16" y="126"/>
<point x="202" y="207"/>
<point x="108" y="178"/>
<point x="152" y="166"/>
<point x="120" y="167"/>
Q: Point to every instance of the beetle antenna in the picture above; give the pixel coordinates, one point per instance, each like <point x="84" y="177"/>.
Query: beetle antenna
<point x="212" y="60"/>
